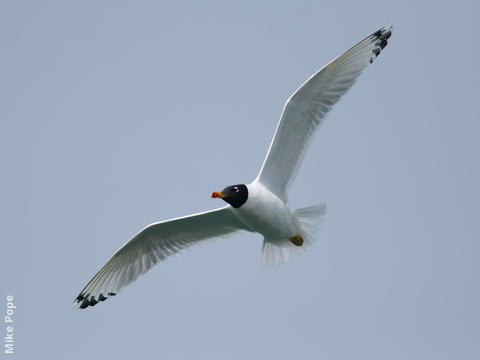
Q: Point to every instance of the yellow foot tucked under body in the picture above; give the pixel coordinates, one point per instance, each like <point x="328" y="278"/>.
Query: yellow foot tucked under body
<point x="297" y="240"/>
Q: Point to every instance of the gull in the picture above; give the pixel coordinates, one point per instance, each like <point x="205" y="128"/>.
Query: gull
<point x="259" y="207"/>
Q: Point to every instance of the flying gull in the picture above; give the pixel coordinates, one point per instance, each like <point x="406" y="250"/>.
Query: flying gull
<point x="259" y="207"/>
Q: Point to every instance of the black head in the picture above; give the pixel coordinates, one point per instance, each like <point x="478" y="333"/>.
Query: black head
<point x="235" y="195"/>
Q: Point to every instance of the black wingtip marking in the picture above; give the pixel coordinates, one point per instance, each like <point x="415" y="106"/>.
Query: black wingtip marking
<point x="84" y="304"/>
<point x="87" y="300"/>
<point x="93" y="302"/>
<point x="382" y="36"/>
<point x="383" y="43"/>
<point x="387" y="35"/>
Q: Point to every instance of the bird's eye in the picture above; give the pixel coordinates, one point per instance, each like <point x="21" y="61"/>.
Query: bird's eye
<point x="236" y="189"/>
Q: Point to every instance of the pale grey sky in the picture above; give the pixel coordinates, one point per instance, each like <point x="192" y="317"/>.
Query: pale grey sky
<point x="112" y="116"/>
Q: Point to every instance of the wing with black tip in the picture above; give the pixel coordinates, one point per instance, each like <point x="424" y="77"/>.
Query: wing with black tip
<point x="153" y="244"/>
<point x="307" y="108"/>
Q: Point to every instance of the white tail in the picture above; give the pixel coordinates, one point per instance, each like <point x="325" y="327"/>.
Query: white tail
<point x="311" y="218"/>
<point x="277" y="251"/>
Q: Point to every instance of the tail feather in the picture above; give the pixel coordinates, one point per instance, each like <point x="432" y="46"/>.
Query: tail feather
<point x="274" y="252"/>
<point x="277" y="251"/>
<point x="311" y="219"/>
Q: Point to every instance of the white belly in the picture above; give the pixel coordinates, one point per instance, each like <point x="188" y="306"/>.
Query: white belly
<point x="267" y="214"/>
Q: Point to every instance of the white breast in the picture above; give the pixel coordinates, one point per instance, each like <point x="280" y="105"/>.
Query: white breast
<point x="267" y="214"/>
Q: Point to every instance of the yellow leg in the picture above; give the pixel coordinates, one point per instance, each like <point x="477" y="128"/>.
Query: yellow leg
<point x="297" y="240"/>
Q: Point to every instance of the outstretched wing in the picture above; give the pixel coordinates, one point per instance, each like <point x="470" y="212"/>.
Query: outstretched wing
<point x="308" y="107"/>
<point x="153" y="244"/>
